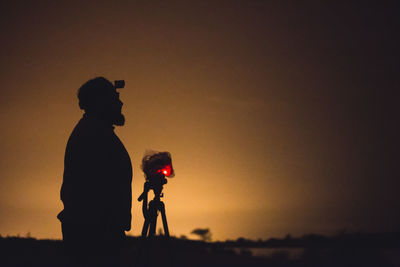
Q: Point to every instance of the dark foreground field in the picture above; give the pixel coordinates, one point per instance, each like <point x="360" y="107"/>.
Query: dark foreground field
<point x="351" y="250"/>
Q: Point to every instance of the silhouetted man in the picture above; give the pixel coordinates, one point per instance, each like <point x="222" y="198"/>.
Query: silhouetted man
<point x="96" y="190"/>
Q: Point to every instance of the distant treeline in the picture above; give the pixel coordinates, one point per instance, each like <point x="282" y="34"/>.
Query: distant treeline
<point x="370" y="240"/>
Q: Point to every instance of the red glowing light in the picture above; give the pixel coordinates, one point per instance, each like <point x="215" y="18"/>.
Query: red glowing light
<point x="166" y="170"/>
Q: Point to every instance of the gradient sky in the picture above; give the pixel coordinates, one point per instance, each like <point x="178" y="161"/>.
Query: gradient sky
<point x="281" y="118"/>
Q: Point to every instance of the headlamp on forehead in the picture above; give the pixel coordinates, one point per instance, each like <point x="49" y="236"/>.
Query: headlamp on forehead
<point x="119" y="84"/>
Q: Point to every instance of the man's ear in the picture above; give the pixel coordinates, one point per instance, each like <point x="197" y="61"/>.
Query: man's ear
<point x="99" y="103"/>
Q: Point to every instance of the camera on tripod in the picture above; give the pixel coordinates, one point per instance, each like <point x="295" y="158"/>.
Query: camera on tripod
<point x="156" y="167"/>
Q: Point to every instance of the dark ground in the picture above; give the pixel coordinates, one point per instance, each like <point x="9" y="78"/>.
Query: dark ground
<point x="344" y="250"/>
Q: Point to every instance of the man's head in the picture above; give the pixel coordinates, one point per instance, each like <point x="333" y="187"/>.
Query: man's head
<point x="99" y="97"/>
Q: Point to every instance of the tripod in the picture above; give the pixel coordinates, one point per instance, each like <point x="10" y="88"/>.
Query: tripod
<point x="150" y="213"/>
<point x="148" y="245"/>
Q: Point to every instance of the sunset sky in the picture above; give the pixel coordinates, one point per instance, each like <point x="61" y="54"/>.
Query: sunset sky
<point x="280" y="118"/>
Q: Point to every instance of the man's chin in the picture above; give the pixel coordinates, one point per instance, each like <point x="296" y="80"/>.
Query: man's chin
<point x="119" y="120"/>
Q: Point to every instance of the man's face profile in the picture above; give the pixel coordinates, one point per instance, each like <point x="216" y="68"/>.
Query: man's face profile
<point x="110" y="106"/>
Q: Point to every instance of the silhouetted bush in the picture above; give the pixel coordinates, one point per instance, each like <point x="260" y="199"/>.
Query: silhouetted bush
<point x="204" y="234"/>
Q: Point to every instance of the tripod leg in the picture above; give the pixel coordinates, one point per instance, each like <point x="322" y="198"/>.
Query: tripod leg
<point x="153" y="213"/>
<point x="164" y="219"/>
<point x="145" y="228"/>
<point x="166" y="232"/>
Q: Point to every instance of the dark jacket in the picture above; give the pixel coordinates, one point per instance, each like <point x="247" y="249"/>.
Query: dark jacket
<point x="96" y="187"/>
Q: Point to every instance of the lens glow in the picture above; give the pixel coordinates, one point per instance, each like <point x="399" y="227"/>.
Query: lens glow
<point x="166" y="170"/>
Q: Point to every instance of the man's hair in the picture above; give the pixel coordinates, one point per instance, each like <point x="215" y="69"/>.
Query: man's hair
<point x="92" y="89"/>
